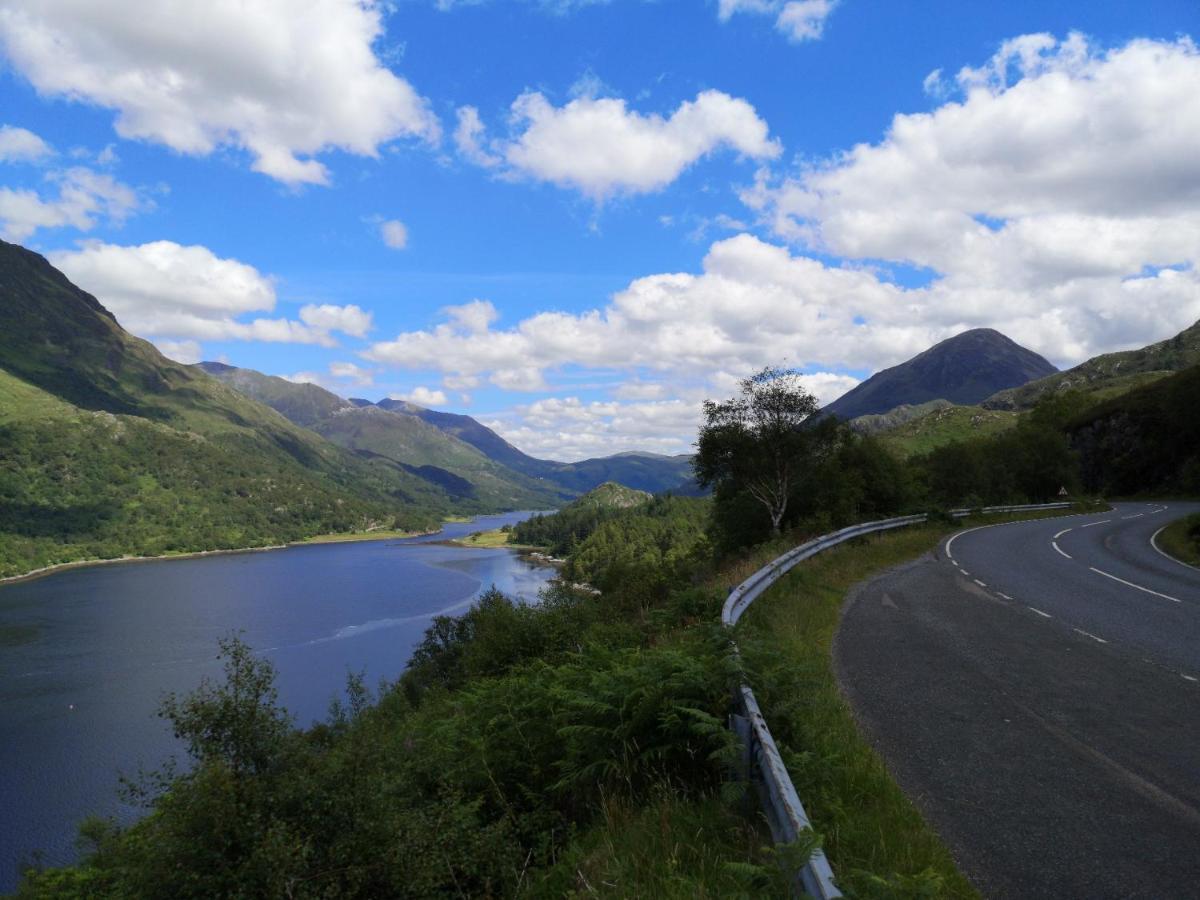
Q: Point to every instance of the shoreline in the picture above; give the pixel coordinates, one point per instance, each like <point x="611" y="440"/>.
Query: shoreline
<point x="334" y="538"/>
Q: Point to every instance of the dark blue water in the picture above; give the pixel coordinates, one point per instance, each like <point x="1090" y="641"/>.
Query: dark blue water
<point x="77" y="700"/>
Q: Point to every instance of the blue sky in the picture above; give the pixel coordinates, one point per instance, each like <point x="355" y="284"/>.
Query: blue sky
<point x="576" y="220"/>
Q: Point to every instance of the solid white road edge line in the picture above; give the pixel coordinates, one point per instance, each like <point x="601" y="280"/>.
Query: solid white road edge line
<point x="1162" y="552"/>
<point x="1136" y="586"/>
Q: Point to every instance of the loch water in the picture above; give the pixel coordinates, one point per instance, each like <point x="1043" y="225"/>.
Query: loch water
<point x="87" y="654"/>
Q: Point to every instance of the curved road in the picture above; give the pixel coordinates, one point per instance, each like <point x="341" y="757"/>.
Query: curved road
<point x="1033" y="688"/>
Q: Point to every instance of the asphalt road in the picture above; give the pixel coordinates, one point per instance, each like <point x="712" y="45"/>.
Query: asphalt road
<point x="1033" y="688"/>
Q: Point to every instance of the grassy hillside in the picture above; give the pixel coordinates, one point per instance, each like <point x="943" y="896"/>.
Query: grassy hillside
<point x="1110" y="374"/>
<point x="474" y="482"/>
<point x="944" y="425"/>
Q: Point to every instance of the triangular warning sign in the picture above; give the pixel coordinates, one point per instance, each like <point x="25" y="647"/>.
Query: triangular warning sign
<point x="1062" y="491"/>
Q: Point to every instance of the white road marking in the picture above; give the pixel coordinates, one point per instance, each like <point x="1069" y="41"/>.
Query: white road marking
<point x="1045" y="615"/>
<point x="1188" y="677"/>
<point x="1005" y="596"/>
<point x="1101" y="522"/>
<point x="1162" y="552"/>
<point x="1061" y="533"/>
<point x="980" y="583"/>
<point x="1060" y="550"/>
<point x="1136" y="586"/>
<point x="1089" y="634"/>
<point x="1136" y="516"/>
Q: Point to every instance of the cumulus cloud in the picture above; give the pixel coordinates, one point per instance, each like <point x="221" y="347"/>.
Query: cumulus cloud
<point x="186" y="352"/>
<point x="1054" y="199"/>
<point x="81" y="198"/>
<point x="422" y="396"/>
<point x="352" y="372"/>
<point x="601" y="148"/>
<point x="284" y="81"/>
<point x="22" y="145"/>
<point x="798" y="20"/>
<point x="178" y="293"/>
<point x="394" y="234"/>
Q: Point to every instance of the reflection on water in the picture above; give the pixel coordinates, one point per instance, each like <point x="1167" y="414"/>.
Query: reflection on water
<point x="86" y="655"/>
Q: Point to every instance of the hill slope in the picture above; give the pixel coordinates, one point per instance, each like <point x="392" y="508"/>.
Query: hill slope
<point x="964" y="369"/>
<point x="476" y="482"/>
<point x="1110" y="374"/>
<point x="107" y="447"/>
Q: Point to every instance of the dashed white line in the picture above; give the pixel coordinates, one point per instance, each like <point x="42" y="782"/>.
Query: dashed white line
<point x="1061" y="533"/>
<point x="1089" y="634"/>
<point x="1005" y="596"/>
<point x="1101" y="522"/>
<point x="1134" y="586"/>
<point x="980" y="583"/>
<point x="964" y="571"/>
<point x="1188" y="677"/>
<point x="1044" y="615"/>
<point x="1060" y="550"/>
<point x="1135" y="516"/>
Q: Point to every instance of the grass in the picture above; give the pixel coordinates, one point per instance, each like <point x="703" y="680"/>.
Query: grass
<point x="944" y="426"/>
<point x="670" y="848"/>
<point x="1181" y="539"/>
<point x="494" y="538"/>
<point x="876" y="839"/>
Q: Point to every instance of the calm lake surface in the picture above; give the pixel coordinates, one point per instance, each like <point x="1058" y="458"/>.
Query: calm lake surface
<point x="86" y="655"/>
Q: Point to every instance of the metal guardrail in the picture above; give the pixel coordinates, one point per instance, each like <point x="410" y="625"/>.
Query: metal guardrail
<point x="785" y="812"/>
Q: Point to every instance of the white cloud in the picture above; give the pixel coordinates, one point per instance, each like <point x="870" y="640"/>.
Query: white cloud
<point x="422" y="396"/>
<point x="22" y="145"/>
<point x="172" y="292"/>
<point x="804" y="20"/>
<point x="468" y="137"/>
<point x="798" y="20"/>
<point x="84" y="197"/>
<point x="474" y="317"/>
<point x="186" y="352"/>
<point x="326" y="317"/>
<point x="600" y="148"/>
<point x="349" y="371"/>
<point x="281" y="79"/>
<point x="394" y="234"/>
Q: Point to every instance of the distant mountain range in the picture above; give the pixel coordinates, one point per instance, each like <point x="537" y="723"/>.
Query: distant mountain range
<point x="964" y="369"/>
<point x="465" y="456"/>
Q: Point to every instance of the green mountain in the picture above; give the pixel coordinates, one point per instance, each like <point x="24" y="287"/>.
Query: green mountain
<point x="645" y="471"/>
<point x="1111" y="374"/>
<point x="477" y="483"/>
<point x="964" y="369"/>
<point x="108" y="448"/>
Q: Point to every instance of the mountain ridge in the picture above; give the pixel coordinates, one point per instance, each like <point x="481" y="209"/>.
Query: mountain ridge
<point x="964" y="369"/>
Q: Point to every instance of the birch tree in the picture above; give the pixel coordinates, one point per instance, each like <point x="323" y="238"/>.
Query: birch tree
<point x="754" y="441"/>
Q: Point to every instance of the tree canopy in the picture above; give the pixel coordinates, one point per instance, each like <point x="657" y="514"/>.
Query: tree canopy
<point x="755" y="440"/>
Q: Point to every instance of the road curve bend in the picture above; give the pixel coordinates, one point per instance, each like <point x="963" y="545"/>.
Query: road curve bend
<point x="1033" y="688"/>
